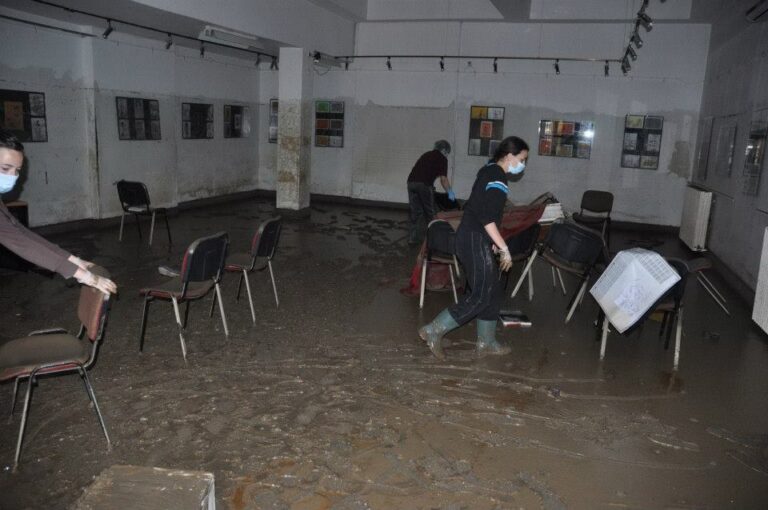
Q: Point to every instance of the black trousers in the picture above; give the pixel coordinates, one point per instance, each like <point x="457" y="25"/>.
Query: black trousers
<point x="421" y="201"/>
<point x="482" y="300"/>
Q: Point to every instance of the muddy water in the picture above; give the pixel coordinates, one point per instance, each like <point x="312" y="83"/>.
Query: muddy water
<point x="332" y="401"/>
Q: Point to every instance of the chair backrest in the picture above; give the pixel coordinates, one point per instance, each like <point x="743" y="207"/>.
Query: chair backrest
<point x="266" y="238"/>
<point x="522" y="244"/>
<point x="204" y="259"/>
<point x="575" y="244"/>
<point x="132" y="194"/>
<point x="92" y="307"/>
<point x="678" y="289"/>
<point x="597" y="201"/>
<point x="441" y="239"/>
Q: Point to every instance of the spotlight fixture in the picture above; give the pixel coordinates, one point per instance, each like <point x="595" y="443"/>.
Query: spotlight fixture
<point x="625" y="63"/>
<point x="645" y="20"/>
<point x="557" y="66"/>
<point x="202" y="49"/>
<point x="442" y="64"/>
<point x="109" y="29"/>
<point x="389" y="64"/>
<point x="273" y="65"/>
<point x="168" y="42"/>
<point x="632" y="53"/>
<point x="316" y="57"/>
<point x="495" y="65"/>
<point x="624" y="68"/>
<point x="607" y="68"/>
<point x="346" y="65"/>
<point x="636" y="40"/>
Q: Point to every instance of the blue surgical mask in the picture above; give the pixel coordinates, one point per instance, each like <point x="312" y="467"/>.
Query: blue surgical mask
<point x="516" y="169"/>
<point x="7" y="182"/>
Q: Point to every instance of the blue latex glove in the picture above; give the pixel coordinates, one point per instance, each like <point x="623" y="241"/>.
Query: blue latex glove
<point x="451" y="195"/>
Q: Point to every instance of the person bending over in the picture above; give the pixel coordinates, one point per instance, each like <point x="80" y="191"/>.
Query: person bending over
<point x="421" y="180"/>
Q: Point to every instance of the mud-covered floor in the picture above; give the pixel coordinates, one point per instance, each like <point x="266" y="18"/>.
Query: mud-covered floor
<point x="332" y="401"/>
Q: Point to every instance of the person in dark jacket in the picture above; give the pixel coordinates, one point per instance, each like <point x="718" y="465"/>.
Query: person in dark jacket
<point x="25" y="243"/>
<point x="421" y="186"/>
<point x="477" y="238"/>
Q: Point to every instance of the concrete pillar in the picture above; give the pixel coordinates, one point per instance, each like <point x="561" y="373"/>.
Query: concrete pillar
<point x="294" y="130"/>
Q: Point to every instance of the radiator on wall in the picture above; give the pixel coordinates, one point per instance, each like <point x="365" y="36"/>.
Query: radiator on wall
<point x="760" y="308"/>
<point x="695" y="220"/>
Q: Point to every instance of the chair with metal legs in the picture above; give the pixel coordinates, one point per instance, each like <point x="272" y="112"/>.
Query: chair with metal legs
<point x="440" y="249"/>
<point x="263" y="248"/>
<point x="521" y="246"/>
<point x="201" y="271"/>
<point x="134" y="199"/>
<point x="596" y="207"/>
<point x="55" y="351"/>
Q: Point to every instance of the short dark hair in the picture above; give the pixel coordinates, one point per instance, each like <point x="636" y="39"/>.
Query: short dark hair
<point x="510" y="145"/>
<point x="9" y="141"/>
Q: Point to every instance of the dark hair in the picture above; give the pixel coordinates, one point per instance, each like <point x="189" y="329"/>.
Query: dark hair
<point x="9" y="141"/>
<point x="510" y="145"/>
<point x="443" y="146"/>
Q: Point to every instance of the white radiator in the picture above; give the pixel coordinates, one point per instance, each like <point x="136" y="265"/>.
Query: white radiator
<point x="695" y="220"/>
<point x="760" y="310"/>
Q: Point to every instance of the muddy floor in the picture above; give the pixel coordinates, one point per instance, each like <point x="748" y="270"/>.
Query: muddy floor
<point x="332" y="401"/>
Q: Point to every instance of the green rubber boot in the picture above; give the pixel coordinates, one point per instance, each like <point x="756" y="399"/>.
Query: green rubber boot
<point x="434" y="332"/>
<point x="486" y="340"/>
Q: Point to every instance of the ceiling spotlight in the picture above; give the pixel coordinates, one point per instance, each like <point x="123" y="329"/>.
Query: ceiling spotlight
<point x="109" y="29"/>
<point x="644" y="6"/>
<point x="202" y="49"/>
<point x="645" y="20"/>
<point x="557" y="66"/>
<point x="346" y="65"/>
<point x="632" y="53"/>
<point x="495" y="65"/>
<point x="389" y="64"/>
<point x="624" y="68"/>
<point x="607" y="68"/>
<point x="273" y="65"/>
<point x="442" y="64"/>
<point x="316" y="57"/>
<point x="625" y="63"/>
<point x="636" y="40"/>
<point x="168" y="42"/>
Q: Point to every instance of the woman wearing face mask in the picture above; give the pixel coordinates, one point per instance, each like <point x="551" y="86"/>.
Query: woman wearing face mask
<point x="25" y="243"/>
<point x="477" y="239"/>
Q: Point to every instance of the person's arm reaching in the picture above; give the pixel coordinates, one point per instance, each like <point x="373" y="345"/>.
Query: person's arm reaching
<point x="446" y="184"/>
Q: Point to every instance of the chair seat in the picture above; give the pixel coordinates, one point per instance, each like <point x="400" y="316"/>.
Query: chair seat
<point x="589" y="220"/>
<point x="441" y="259"/>
<point x="565" y="265"/>
<point x="138" y="210"/>
<point x="239" y="261"/>
<point x="172" y="288"/>
<point x="22" y="355"/>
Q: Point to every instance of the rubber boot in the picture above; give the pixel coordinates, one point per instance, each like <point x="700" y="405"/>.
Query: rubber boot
<point x="434" y="332"/>
<point x="486" y="340"/>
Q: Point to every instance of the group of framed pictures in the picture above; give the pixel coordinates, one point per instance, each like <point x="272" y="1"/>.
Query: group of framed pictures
<point x="486" y="130"/>
<point x="566" y="139"/>
<point x="137" y="118"/>
<point x="642" y="141"/>
<point x="329" y="124"/>
<point x="196" y="120"/>
<point x="23" y="114"/>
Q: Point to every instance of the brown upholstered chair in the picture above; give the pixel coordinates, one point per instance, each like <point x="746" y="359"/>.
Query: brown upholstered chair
<point x="55" y="351"/>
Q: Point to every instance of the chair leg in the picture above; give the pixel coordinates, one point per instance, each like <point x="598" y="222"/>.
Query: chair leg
<point x="92" y="395"/>
<point x="244" y="276"/>
<point x="663" y="325"/>
<point x="554" y="277"/>
<point x="274" y="287"/>
<point x="240" y="285"/>
<point x="560" y="276"/>
<point x="122" y="222"/>
<point x="575" y="300"/>
<point x="530" y="285"/>
<point x="604" y="338"/>
<point x="186" y="314"/>
<point x="221" y="309"/>
<point x="24" y="415"/>
<point x="181" y="329"/>
<point x="678" y="338"/>
<point x="138" y="224"/>
<point x="670" y="324"/>
<point x="423" y="281"/>
<point x="144" y="314"/>
<point x="453" y="284"/>
<point x="712" y="291"/>
<point x="456" y="264"/>
<point x="213" y="305"/>
<point x="167" y="227"/>
<point x="13" y="400"/>
<point x="152" y="228"/>
<point x="526" y="270"/>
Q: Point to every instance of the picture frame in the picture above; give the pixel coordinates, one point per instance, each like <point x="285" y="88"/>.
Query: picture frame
<point x="486" y="130"/>
<point x="23" y="113"/>
<point x="566" y="138"/>
<point x="329" y="124"/>
<point x="641" y="145"/>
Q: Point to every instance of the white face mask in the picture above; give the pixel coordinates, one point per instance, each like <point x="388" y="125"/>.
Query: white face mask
<point x="516" y="169"/>
<point x="7" y="182"/>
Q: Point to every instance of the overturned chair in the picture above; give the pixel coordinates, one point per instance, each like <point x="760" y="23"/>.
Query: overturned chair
<point x="55" y="351"/>
<point x="134" y="199"/>
<point x="201" y="271"/>
<point x="263" y="247"/>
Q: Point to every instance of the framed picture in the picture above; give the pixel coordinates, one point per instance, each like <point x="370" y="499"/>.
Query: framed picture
<point x="755" y="152"/>
<point x="486" y="129"/>
<point x="642" y="141"/>
<point x="273" y="111"/>
<point x="702" y="155"/>
<point x="24" y="114"/>
<point x="634" y="121"/>
<point x="137" y="118"/>
<point x="329" y="124"/>
<point x="566" y="138"/>
<point x="236" y="121"/>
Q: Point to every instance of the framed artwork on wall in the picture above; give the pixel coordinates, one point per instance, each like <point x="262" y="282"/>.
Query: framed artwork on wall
<point x="566" y="138"/>
<point x="23" y="114"/>
<point x="237" y="123"/>
<point x="273" y="110"/>
<point x="196" y="121"/>
<point x="755" y="152"/>
<point x="642" y="141"/>
<point x="329" y="124"/>
<point x="137" y="118"/>
<point x="705" y="142"/>
<point x="486" y="130"/>
<point x="725" y="146"/>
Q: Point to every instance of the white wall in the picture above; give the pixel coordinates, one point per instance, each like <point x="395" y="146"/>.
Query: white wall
<point x="71" y="176"/>
<point x="394" y="116"/>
